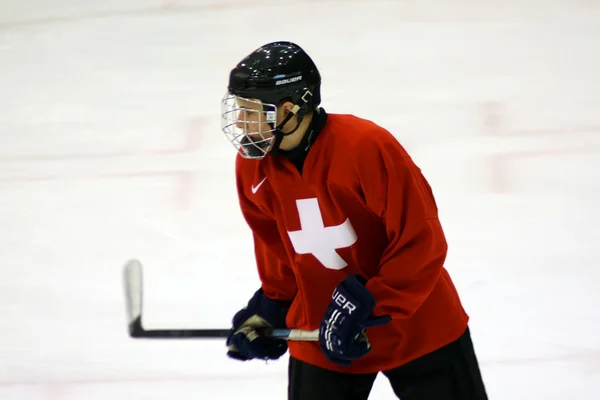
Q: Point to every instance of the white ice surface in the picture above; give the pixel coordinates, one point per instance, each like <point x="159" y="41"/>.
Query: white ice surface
<point x="110" y="148"/>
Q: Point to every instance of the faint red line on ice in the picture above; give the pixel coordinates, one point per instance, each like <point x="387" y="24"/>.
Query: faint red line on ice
<point x="192" y="142"/>
<point x="121" y="175"/>
<point x="498" y="163"/>
<point x="493" y="120"/>
<point x="181" y="192"/>
<point x="184" y="178"/>
<point x="549" y="131"/>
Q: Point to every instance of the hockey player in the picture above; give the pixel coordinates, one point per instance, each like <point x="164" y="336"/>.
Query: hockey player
<point x="347" y="240"/>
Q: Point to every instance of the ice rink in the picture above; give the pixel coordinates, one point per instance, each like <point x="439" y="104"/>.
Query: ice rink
<point x="111" y="148"/>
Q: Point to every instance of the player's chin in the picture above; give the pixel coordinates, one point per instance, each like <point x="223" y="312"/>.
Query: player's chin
<point x="257" y="147"/>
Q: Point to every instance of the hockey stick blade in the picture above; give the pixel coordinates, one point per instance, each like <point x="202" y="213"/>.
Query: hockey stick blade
<point x="133" y="285"/>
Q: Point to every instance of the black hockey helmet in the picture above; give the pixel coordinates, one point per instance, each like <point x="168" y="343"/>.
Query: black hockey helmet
<point x="277" y="72"/>
<point x="272" y="74"/>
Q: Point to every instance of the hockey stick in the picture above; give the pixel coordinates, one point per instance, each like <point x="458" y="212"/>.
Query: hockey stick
<point x="133" y="285"/>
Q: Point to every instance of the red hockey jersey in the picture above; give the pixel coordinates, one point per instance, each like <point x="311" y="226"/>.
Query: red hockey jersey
<point x="360" y="206"/>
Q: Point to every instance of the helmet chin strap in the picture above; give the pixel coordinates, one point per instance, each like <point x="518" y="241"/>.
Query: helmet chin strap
<point x="279" y="135"/>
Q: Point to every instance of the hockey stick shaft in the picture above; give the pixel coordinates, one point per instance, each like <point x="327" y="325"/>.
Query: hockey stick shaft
<point x="137" y="331"/>
<point x="133" y="285"/>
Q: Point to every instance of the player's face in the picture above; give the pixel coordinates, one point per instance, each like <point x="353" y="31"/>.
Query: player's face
<point x="252" y="120"/>
<point x="249" y="125"/>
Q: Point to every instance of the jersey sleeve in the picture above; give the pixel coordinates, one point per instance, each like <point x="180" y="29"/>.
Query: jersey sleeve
<point x="277" y="278"/>
<point x="395" y="190"/>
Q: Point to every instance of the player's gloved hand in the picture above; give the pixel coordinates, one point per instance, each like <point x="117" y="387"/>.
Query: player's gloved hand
<point x="342" y="332"/>
<point x="249" y="337"/>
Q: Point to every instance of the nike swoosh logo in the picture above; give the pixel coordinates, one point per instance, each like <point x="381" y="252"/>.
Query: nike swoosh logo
<point x="255" y="188"/>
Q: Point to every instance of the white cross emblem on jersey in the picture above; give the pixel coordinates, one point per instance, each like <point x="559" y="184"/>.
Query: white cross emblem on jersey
<point x="317" y="239"/>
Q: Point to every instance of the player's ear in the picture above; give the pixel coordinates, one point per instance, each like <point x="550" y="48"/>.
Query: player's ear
<point x="287" y="108"/>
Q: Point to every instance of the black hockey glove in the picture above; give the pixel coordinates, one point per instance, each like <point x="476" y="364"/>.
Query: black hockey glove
<point x="342" y="332"/>
<point x="248" y="338"/>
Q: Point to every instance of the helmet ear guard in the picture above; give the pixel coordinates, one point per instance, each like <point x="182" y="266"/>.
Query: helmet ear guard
<point x="301" y="107"/>
<point x="300" y="110"/>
